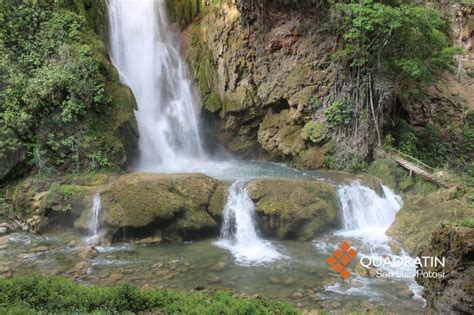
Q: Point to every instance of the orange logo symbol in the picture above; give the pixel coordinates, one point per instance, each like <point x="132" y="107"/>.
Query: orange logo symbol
<point x="341" y="258"/>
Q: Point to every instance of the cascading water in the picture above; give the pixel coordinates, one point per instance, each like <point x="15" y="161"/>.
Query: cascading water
<point x="94" y="222"/>
<point x="146" y="51"/>
<point x="239" y="233"/>
<point x="365" y="213"/>
<point x="366" y="216"/>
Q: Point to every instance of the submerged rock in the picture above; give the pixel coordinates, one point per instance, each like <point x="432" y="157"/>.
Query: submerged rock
<point x="218" y="266"/>
<point x="156" y="239"/>
<point x="293" y="209"/>
<point x="89" y="253"/>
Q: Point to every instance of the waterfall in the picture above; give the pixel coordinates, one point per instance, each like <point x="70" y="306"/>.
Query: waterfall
<point x="94" y="222"/>
<point x="146" y="52"/>
<point x="364" y="212"/>
<point x="366" y="216"/>
<point x="239" y="233"/>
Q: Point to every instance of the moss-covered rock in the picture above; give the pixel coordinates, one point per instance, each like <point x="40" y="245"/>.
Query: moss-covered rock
<point x="453" y="293"/>
<point x="177" y="204"/>
<point x="312" y="158"/>
<point x="218" y="200"/>
<point x="421" y="214"/>
<point x="54" y="202"/>
<point x="138" y="199"/>
<point x="387" y="170"/>
<point x="293" y="209"/>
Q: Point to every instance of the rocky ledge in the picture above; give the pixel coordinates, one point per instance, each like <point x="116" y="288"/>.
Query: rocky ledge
<point x="453" y="293"/>
<point x="293" y="209"/>
<point x="149" y="208"/>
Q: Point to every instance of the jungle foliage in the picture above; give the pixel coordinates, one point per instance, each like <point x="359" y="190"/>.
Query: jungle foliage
<point x="54" y="102"/>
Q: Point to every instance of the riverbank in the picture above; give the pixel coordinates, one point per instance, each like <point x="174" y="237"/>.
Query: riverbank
<point x="30" y="295"/>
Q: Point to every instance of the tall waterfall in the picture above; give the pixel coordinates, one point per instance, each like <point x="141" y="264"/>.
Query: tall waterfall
<point x="146" y="51"/>
<point x="239" y="233"/>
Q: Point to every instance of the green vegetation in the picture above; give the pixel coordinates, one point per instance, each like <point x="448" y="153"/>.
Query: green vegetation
<point x="314" y="131"/>
<point x="340" y="112"/>
<point x="30" y="295"/>
<point x="183" y="12"/>
<point x="405" y="42"/>
<point x="56" y="100"/>
<point x="450" y="147"/>
<point x="468" y="222"/>
<point x="397" y="49"/>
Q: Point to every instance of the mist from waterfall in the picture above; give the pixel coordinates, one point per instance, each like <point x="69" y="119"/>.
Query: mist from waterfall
<point x="239" y="232"/>
<point x="146" y="52"/>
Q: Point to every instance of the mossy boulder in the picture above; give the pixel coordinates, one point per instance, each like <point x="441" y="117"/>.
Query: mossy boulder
<point x="293" y="209"/>
<point x="176" y="204"/>
<point x="218" y="200"/>
<point x="453" y="293"/>
<point x="423" y="213"/>
<point x="55" y="202"/>
<point x="386" y="170"/>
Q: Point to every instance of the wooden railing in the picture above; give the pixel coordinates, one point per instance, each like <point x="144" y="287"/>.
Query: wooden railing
<point x="417" y="162"/>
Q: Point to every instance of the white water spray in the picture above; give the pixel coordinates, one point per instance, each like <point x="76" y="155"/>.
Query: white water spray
<point x="239" y="233"/>
<point x="146" y="51"/>
<point x="364" y="212"/>
<point x="94" y="223"/>
<point x="366" y="216"/>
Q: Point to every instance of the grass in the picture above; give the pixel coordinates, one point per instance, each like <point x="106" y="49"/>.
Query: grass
<point x="54" y="295"/>
<point x="467" y="222"/>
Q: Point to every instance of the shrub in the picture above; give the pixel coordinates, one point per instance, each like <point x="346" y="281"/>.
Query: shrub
<point x="468" y="222"/>
<point x="340" y="112"/>
<point x="406" y="42"/>
<point x="53" y="91"/>
<point x="26" y="295"/>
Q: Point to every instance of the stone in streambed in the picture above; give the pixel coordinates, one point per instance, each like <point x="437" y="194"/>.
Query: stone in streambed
<point x="275" y="280"/>
<point x="336" y="304"/>
<point x="288" y="281"/>
<point x="296" y="296"/>
<point x="218" y="266"/>
<point x="89" y="253"/>
<point x="213" y="279"/>
<point x="293" y="209"/>
<point x="149" y="240"/>
<point x="40" y="249"/>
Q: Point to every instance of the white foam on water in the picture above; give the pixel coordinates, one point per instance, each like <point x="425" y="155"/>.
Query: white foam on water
<point x="239" y="233"/>
<point x="366" y="216"/>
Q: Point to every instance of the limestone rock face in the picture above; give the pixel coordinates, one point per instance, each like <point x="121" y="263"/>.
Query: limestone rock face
<point x="422" y="214"/>
<point x="453" y="294"/>
<point x="293" y="209"/>
<point x="176" y="204"/>
<point x="257" y="86"/>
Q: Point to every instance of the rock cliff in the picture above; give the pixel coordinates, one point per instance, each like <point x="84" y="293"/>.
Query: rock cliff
<point x="453" y="293"/>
